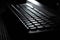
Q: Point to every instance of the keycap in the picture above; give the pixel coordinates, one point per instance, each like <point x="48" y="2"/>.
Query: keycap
<point x="32" y="20"/>
<point x="28" y="16"/>
<point x="40" y="26"/>
<point x="34" y="16"/>
<point x="27" y="22"/>
<point x="38" y="19"/>
<point x="24" y="18"/>
<point x="43" y="23"/>
<point x="36" y="31"/>
<point x="37" y="24"/>
<point x="31" y="26"/>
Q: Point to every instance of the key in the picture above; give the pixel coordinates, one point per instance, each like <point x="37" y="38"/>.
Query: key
<point x="27" y="22"/>
<point x="32" y="20"/>
<point x="36" y="31"/>
<point x="40" y="26"/>
<point x="43" y="23"/>
<point x="31" y="26"/>
<point x="37" y="24"/>
<point x="38" y="19"/>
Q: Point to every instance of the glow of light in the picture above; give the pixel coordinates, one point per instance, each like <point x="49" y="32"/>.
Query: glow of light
<point x="34" y="2"/>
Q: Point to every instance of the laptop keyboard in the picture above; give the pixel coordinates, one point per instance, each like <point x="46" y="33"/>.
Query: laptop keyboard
<point x="33" y="19"/>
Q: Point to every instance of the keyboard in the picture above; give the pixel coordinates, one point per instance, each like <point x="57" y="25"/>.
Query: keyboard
<point x="34" y="20"/>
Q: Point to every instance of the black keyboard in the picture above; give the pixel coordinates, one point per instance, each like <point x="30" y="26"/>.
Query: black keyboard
<point x="34" y="20"/>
